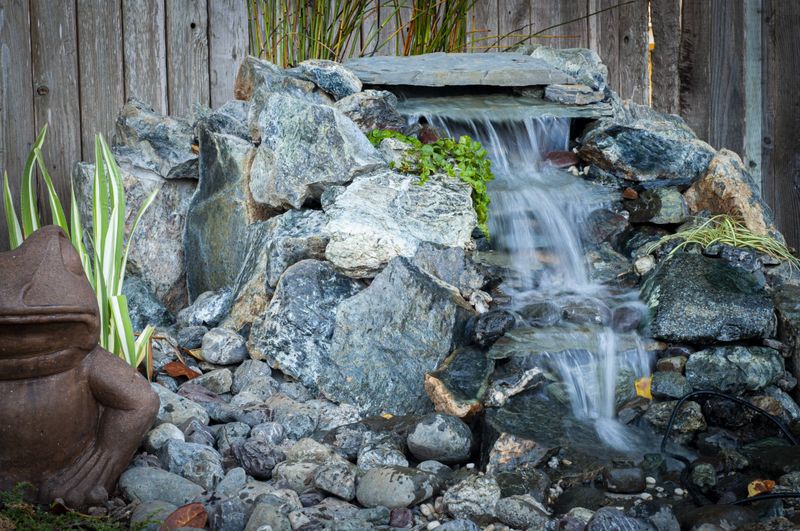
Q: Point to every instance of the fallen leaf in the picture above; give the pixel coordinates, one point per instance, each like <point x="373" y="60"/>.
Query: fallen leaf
<point x="196" y="353"/>
<point x="387" y="416"/>
<point x="760" y="486"/>
<point x="190" y="515"/>
<point x="643" y="387"/>
<point x="175" y="369"/>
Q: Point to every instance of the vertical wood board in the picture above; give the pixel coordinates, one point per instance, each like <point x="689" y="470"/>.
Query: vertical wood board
<point x="666" y="20"/>
<point x="144" y="41"/>
<point x="187" y="55"/>
<point x="227" y="40"/>
<point x="726" y="69"/>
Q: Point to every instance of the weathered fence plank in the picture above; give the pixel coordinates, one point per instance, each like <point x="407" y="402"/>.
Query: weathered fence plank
<point x="227" y="41"/>
<point x="666" y="20"/>
<point x="100" y="59"/>
<point x="369" y="29"/>
<point x="513" y="20"/>
<point x="752" y="89"/>
<point x="604" y="36"/>
<point x="726" y="68"/>
<point x="187" y="55"/>
<point x="16" y="100"/>
<point x="633" y="50"/>
<point x="693" y="69"/>
<point x="145" y="44"/>
<point x="483" y="24"/>
<point x="569" y="18"/>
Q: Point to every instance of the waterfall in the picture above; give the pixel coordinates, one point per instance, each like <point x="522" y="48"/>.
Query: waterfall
<point x="536" y="216"/>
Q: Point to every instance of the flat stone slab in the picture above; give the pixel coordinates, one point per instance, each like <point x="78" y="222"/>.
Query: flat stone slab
<point x="497" y="107"/>
<point x="456" y="69"/>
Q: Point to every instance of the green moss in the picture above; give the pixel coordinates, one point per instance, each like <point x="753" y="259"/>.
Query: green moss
<point x="465" y="159"/>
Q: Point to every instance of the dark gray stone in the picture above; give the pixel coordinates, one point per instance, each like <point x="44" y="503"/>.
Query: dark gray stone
<point x="696" y="299"/>
<point x="734" y="369"/>
<point x="458" y="385"/>
<point x="247" y="372"/>
<point x="452" y="265"/>
<point x="612" y="519"/>
<point x="394" y="487"/>
<point x="583" y="65"/>
<point x="224" y="347"/>
<point x="669" y="384"/>
<point x="196" y="462"/>
<point x="441" y="437"/>
<point x="662" y="206"/>
<point x="146" y="484"/>
<point x="257" y="457"/>
<point x="372" y="109"/>
<point x="191" y="337"/>
<point x="144" y="309"/>
<point x="330" y="76"/>
<point x="207" y="309"/>
<point x="624" y="480"/>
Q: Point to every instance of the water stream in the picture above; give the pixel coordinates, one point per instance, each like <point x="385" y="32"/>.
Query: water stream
<point x="537" y="213"/>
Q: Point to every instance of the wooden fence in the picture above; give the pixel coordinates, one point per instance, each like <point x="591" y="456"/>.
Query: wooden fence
<point x="728" y="67"/>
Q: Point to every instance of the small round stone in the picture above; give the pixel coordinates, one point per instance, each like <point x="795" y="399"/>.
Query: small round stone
<point x="441" y="437"/>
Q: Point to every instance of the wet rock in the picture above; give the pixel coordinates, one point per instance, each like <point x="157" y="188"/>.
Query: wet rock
<point x="719" y="516"/>
<point x="338" y="479"/>
<point x="689" y="419"/>
<point x="443" y="438"/>
<point x="474" y="498"/>
<point x="218" y="381"/>
<point x="208" y="309"/>
<point x="585" y="66"/>
<point x="775" y="460"/>
<point x="258" y="457"/>
<point x="524" y="480"/>
<point x="521" y="512"/>
<point x="626" y="318"/>
<point x="669" y="385"/>
<point x="158" y="436"/>
<point x="695" y="299"/>
<point x="734" y="369"/>
<point x="394" y="487"/>
<point x="176" y="409"/>
<point x="223" y="347"/>
<point x="562" y="159"/>
<point x="727" y="188"/>
<point x="542" y="313"/>
<point x="459" y="384"/>
<point x="658" y="513"/>
<point x="196" y="462"/>
<point x="191" y="337"/>
<point x="525" y="342"/>
<point x="607" y="266"/>
<point x="452" y="265"/>
<point x="220" y="212"/>
<point x="372" y="109"/>
<point x="164" y="143"/>
<point x="787" y="307"/>
<point x="624" y="480"/>
<point x="380" y="455"/>
<point x="146" y="484"/>
<point x="295" y="332"/>
<point x="703" y="475"/>
<point x="305" y="149"/>
<point x="662" y="206"/>
<point x="488" y="327"/>
<point x="612" y="519"/>
<point x="672" y="364"/>
<point x="605" y="226"/>
<point x="259" y="78"/>
<point x="330" y="76"/>
<point x="585" y="311"/>
<point x="273" y="246"/>
<point x="386" y="214"/>
<point x="144" y="308"/>
<point x="572" y="94"/>
<point x="587" y="497"/>
<point x="388" y="336"/>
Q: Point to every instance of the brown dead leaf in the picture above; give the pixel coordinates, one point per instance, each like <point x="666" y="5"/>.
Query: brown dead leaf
<point x="176" y="369"/>
<point x="189" y="515"/>
<point x="759" y="486"/>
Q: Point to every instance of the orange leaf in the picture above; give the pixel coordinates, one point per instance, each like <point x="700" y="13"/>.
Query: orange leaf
<point x="760" y="486"/>
<point x="176" y="369"/>
<point x="190" y="515"/>
<point x="642" y="386"/>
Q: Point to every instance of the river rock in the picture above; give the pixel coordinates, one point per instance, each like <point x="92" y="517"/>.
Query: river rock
<point x="248" y="371"/>
<point x="372" y="109"/>
<point x="458" y="385"/>
<point x="217" y="381"/>
<point x="443" y="438"/>
<point x="272" y="247"/>
<point x="295" y="332"/>
<point x="689" y="419"/>
<point x="474" y="498"/>
<point x="338" y="479"/>
<point x="727" y="188"/>
<point x="146" y="484"/>
<point x="257" y="78"/>
<point x="257" y="457"/>
<point x="143" y="308"/>
<point x="628" y="480"/>
<point x="176" y="409"/>
<point x="305" y="148"/>
<point x="583" y="65"/>
<point x="662" y="206"/>
<point x="149" y="516"/>
<point x="387" y="214"/>
<point x="158" y="436"/>
<point x="222" y="346"/>
<point x="388" y="336"/>
<point x="696" y="299"/>
<point x="380" y="455"/>
<point x="191" y="337"/>
<point x="734" y="369"/>
<point x="522" y="512"/>
<point x="394" y="487"/>
<point x="330" y="76"/>
<point x="220" y="213"/>
<point x="161" y="144"/>
<point x="208" y="309"/>
<point x="196" y="462"/>
<point x="669" y="384"/>
<point x="612" y="519"/>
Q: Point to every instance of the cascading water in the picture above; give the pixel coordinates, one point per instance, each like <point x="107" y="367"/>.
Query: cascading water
<point x="536" y="216"/>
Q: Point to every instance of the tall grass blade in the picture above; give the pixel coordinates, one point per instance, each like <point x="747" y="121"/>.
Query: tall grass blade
<point x="12" y="222"/>
<point x="56" y="210"/>
<point x="27" y="206"/>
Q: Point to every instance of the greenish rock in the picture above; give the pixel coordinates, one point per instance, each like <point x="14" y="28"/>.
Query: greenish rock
<point x="330" y="76"/>
<point x="394" y="486"/>
<point x="257" y="79"/>
<point x="734" y="369"/>
<point x="372" y="109"/>
<point x="703" y="475"/>
<point x="669" y="384"/>
<point x="688" y="420"/>
<point x="585" y="66"/>
<point x="143" y="307"/>
<point x="697" y="299"/>
<point x="147" y="484"/>
<point x="787" y="307"/>
<point x="535" y="341"/>
<point x="662" y="206"/>
<point x="474" y="498"/>
<point x="459" y="384"/>
<point x="388" y="336"/>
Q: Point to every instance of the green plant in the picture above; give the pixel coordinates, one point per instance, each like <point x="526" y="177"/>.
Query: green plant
<point x="726" y="230"/>
<point x="465" y="159"/>
<point x="432" y="26"/>
<point x="105" y="269"/>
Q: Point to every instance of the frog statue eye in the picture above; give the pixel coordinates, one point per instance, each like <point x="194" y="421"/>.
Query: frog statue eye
<point x="69" y="256"/>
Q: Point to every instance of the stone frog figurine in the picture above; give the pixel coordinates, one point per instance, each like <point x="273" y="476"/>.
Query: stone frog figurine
<point x="71" y="414"/>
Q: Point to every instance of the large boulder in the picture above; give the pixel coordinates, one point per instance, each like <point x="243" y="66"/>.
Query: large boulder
<point x="697" y="299"/>
<point x="727" y="188"/>
<point x="305" y="148"/>
<point x="156" y="254"/>
<point x="585" y="66"/>
<point x="220" y="213"/>
<point x="388" y="336"/>
<point x="330" y="76"/>
<point x="388" y="214"/>
<point x="295" y="332"/>
<point x="256" y="75"/>
<point x="273" y="246"/>
<point x="372" y="109"/>
<point x="152" y="141"/>
<point x="734" y="369"/>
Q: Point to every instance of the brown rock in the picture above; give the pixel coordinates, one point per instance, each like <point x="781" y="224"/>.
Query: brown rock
<point x="72" y="414"/>
<point x="562" y="159"/>
<point x="630" y="193"/>
<point x="727" y="188"/>
<point x="671" y="364"/>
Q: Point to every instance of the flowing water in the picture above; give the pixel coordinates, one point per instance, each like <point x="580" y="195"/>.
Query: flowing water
<point x="537" y="213"/>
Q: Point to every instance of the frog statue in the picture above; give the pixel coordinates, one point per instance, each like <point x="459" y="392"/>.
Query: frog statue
<point x="71" y="414"/>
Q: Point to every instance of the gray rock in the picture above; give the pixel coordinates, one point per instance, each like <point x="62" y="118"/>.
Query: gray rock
<point x="220" y="212"/>
<point x="474" y="498"/>
<point x="696" y="299"/>
<point x="452" y="265"/>
<point x="217" y="381"/>
<point x="734" y="369"/>
<point x="270" y="432"/>
<point x="258" y="78"/>
<point x="144" y="309"/>
<point x="380" y="456"/>
<point x="163" y="143"/>
<point x="231" y="434"/>
<point x="299" y="420"/>
<point x="488" y="327"/>
<point x="196" y="462"/>
<point x="273" y="246"/>
<point x="669" y="384"/>
<point x="229" y="514"/>
<point x="257" y="391"/>
<point x="156" y="255"/>
<point x="154" y="512"/>
<point x="191" y="337"/>
<point x="224" y="347"/>
<point x="330" y="76"/>
<point x="305" y="148"/>
<point x="688" y="420"/>
<point x="444" y="438"/>
<point x="296" y="475"/>
<point x="454" y="69"/>
<point x="459" y="524"/>
<point x="606" y="265"/>
<point x="269" y="514"/>
<point x="176" y="409"/>
<point x="388" y="336"/>
<point x="628" y="480"/>
<point x="662" y="206"/>
<point x="207" y="309"/>
<point x="234" y="480"/>
<point x="294" y="334"/>
<point x="580" y="64"/>
<point x="257" y="457"/>
<point x="158" y="436"/>
<point x="612" y="519"/>
<point x="394" y="487"/>
<point x="372" y="109"/>
<point x="385" y="215"/>
<point x="146" y="484"/>
<point x="521" y="512"/>
<point x="247" y="372"/>
<point x="573" y="94"/>
<point x="338" y="479"/>
<point x="229" y="119"/>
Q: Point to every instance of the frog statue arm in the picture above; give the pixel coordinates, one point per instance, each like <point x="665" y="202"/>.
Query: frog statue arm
<point x="128" y="406"/>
